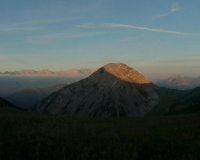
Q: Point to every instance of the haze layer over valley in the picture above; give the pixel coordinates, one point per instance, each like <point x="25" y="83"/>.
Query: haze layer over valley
<point x="12" y="83"/>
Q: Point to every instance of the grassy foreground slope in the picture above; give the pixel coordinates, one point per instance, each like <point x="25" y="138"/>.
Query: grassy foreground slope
<point x="28" y="135"/>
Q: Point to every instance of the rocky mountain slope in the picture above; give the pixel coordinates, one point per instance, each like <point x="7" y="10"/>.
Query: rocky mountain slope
<point x="31" y="96"/>
<point x="48" y="72"/>
<point x="4" y="103"/>
<point x="173" y="102"/>
<point x="113" y="90"/>
<point x="181" y="82"/>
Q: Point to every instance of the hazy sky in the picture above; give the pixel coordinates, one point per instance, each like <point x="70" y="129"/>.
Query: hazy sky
<point x="161" y="36"/>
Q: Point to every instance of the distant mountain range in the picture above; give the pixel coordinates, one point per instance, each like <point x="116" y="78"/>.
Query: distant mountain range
<point x="179" y="82"/>
<point x="48" y="72"/>
<point x="118" y="90"/>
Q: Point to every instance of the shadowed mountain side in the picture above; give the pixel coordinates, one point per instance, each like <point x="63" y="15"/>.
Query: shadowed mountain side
<point x="172" y="101"/>
<point x="113" y="90"/>
<point x="4" y="103"/>
<point x="31" y="96"/>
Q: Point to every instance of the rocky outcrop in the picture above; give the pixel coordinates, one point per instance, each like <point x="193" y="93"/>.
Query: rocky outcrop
<point x="113" y="90"/>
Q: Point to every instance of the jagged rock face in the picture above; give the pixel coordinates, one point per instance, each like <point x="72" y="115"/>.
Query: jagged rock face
<point x="113" y="90"/>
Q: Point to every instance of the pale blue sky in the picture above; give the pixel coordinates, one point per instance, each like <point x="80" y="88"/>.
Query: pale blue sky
<point x="161" y="36"/>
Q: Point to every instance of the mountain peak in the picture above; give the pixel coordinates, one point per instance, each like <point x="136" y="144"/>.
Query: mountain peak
<point x="177" y="76"/>
<point x="118" y="66"/>
<point x="113" y="90"/>
<point x="124" y="72"/>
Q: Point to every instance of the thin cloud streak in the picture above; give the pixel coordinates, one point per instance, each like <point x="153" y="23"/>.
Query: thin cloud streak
<point x="16" y="29"/>
<point x="104" y="60"/>
<point x="108" y="60"/>
<point x="185" y="55"/>
<point x="46" y="39"/>
<point x="182" y="60"/>
<point x="28" y="25"/>
<point x="45" y="21"/>
<point x="143" y="28"/>
<point x="113" y="25"/>
<point x="19" y="61"/>
<point x="4" y="58"/>
<point x="174" y="8"/>
<point x="87" y="25"/>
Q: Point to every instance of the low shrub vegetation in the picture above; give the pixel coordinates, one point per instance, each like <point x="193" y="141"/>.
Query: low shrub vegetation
<point x="28" y="135"/>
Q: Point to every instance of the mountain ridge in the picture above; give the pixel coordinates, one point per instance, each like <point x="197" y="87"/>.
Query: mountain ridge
<point x="48" y="72"/>
<point x="181" y="82"/>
